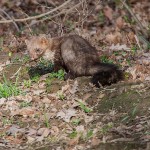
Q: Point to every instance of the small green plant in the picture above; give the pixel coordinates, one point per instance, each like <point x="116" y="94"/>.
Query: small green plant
<point x="116" y="53"/>
<point x="125" y="119"/>
<point x="25" y="59"/>
<point x="53" y="139"/>
<point x="48" y="82"/>
<point x="60" y="74"/>
<point x="127" y="75"/>
<point x="134" y="49"/>
<point x="147" y="133"/>
<point x="70" y="25"/>
<point x="60" y="95"/>
<point x="89" y="134"/>
<point x="45" y="63"/>
<point x="128" y="61"/>
<point x="20" y="123"/>
<point x="2" y="134"/>
<point x="16" y="59"/>
<point x="104" y="59"/>
<point x="27" y="83"/>
<point x="46" y="121"/>
<point x="6" y="121"/>
<point x="134" y="111"/>
<point x="25" y="104"/>
<point x="1" y="43"/>
<point x="106" y="128"/>
<point x="129" y="20"/>
<point x="35" y="78"/>
<point x="84" y="107"/>
<point x="73" y="134"/>
<point x="10" y="54"/>
<point x="8" y="89"/>
<point x="148" y="46"/>
<point x="76" y="121"/>
<point x="101" y="17"/>
<point x="132" y="114"/>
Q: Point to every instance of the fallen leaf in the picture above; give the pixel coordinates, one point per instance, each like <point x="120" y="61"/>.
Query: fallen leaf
<point x="30" y="139"/>
<point x="95" y="141"/>
<point x="119" y="22"/>
<point x="38" y="92"/>
<point x="74" y="141"/>
<point x="119" y="47"/>
<point x="14" y="129"/>
<point x="80" y="129"/>
<point x="14" y="140"/>
<point x="27" y="111"/>
<point x="2" y="101"/>
<point x="43" y="132"/>
<point x="54" y="130"/>
<point x="31" y="132"/>
<point x="66" y="114"/>
<point x="114" y="38"/>
<point x="108" y="12"/>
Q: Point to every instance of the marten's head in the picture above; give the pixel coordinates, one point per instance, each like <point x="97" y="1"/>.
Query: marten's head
<point x="37" y="46"/>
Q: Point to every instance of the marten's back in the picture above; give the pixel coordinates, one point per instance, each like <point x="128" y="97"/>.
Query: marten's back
<point x="78" y="54"/>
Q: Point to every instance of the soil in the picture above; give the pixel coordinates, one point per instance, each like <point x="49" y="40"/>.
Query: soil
<point x="120" y="112"/>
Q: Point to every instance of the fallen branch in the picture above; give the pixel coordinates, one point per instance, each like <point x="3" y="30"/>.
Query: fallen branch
<point x="35" y="17"/>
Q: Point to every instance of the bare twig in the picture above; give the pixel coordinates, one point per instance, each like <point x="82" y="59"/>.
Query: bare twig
<point x="62" y="12"/>
<point x="35" y="17"/>
<point x="135" y="18"/>
<point x="10" y="18"/>
<point x="137" y="41"/>
<point x="16" y="73"/>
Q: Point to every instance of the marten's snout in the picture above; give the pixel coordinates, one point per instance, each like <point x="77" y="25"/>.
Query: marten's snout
<point x="33" y="56"/>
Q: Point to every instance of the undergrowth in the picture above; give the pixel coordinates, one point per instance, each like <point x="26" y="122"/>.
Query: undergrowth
<point x="8" y="89"/>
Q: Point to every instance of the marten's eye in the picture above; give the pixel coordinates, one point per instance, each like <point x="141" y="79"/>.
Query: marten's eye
<point x="37" y="50"/>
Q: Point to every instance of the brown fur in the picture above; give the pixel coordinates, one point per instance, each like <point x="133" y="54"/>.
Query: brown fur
<point x="76" y="56"/>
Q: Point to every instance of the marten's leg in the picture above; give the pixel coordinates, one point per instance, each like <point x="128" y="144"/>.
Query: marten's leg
<point x="57" y="66"/>
<point x="69" y="75"/>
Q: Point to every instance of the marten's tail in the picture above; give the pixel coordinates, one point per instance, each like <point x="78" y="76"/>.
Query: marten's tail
<point x="106" y="74"/>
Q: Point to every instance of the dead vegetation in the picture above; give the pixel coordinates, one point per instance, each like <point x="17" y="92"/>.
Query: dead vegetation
<point x="48" y="112"/>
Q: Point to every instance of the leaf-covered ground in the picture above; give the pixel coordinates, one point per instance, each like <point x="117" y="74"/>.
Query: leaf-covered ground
<point x="46" y="112"/>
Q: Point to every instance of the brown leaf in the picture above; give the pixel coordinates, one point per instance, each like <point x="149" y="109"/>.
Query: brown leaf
<point x="26" y="98"/>
<point x="54" y="130"/>
<point x="119" y="47"/>
<point x="46" y="100"/>
<point x="43" y="132"/>
<point x="30" y="139"/>
<point x="74" y="141"/>
<point x="13" y="130"/>
<point x="31" y="131"/>
<point x="119" y="22"/>
<point x="2" y="101"/>
<point x="95" y="141"/>
<point x="108" y="12"/>
<point x="66" y="114"/>
<point x="14" y="140"/>
<point x="28" y="111"/>
<point x="131" y="37"/>
<point x="114" y="38"/>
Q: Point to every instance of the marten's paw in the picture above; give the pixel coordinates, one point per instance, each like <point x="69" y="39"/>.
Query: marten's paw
<point x="69" y="75"/>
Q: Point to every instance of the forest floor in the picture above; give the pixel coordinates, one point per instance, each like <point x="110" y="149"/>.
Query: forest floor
<point x="46" y="112"/>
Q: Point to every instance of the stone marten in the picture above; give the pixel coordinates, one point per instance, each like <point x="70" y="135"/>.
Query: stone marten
<point x="76" y="56"/>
